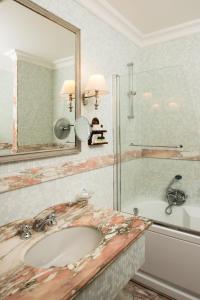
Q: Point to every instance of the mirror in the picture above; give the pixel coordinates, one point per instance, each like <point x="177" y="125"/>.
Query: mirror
<point x="39" y="82"/>
<point x="83" y="129"/>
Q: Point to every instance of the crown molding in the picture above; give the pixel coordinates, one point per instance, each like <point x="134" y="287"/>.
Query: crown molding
<point x="18" y="55"/>
<point x="171" y="33"/>
<point x="114" y="18"/>
<point x="64" y="62"/>
<point x="103" y="10"/>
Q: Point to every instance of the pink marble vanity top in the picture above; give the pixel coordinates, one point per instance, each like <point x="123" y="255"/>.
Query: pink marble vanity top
<point x="18" y="281"/>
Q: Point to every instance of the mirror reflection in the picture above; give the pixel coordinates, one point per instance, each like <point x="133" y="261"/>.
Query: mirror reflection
<point x="83" y="129"/>
<point x="37" y="81"/>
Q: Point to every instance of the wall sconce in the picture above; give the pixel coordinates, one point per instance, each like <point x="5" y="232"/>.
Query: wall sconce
<point x="68" y="89"/>
<point x="96" y="86"/>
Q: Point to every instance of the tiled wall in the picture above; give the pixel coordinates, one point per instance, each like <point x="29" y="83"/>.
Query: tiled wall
<point x="167" y="110"/>
<point x="60" y="103"/>
<point x="168" y="92"/>
<point x="34" y="104"/>
<point x="105" y="51"/>
<point x="150" y="178"/>
<point x="39" y="96"/>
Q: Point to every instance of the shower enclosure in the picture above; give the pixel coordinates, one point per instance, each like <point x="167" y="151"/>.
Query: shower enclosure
<point x="158" y="144"/>
<point x="157" y="170"/>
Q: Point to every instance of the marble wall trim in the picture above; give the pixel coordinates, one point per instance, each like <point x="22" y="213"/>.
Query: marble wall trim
<point x="171" y="154"/>
<point x="37" y="175"/>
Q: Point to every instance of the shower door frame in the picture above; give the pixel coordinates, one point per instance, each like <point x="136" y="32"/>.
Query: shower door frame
<point x="117" y="186"/>
<point x="116" y="142"/>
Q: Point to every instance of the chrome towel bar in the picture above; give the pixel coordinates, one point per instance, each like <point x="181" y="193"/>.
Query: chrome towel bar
<point x="159" y="146"/>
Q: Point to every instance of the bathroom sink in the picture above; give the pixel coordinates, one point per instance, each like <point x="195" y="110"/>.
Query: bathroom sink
<point x="63" y="247"/>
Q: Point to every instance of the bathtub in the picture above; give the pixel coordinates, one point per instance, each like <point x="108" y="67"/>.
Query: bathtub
<point x="185" y="216"/>
<point x="172" y="264"/>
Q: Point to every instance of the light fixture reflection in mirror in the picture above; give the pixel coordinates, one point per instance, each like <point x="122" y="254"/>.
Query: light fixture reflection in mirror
<point x="68" y="91"/>
<point x="96" y="86"/>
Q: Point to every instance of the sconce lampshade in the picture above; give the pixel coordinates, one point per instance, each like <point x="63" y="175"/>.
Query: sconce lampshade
<point x="68" y="88"/>
<point x="97" y="82"/>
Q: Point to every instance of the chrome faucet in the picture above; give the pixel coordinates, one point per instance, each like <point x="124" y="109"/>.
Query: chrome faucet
<point x="42" y="224"/>
<point x="25" y="231"/>
<point x="174" y="197"/>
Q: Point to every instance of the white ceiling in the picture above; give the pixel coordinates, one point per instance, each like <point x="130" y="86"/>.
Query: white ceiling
<point x="27" y="31"/>
<point x="147" y="22"/>
<point x="149" y="16"/>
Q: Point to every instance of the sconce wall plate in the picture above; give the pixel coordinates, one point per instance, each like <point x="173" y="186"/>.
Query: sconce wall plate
<point x="87" y="96"/>
<point x="62" y="128"/>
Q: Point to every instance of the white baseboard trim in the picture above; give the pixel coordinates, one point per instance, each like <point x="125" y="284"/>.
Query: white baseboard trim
<point x="162" y="287"/>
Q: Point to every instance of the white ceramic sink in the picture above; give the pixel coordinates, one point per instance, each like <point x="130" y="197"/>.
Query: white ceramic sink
<point x="63" y="247"/>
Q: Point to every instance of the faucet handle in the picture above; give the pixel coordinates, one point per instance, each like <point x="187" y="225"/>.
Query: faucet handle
<point x="42" y="223"/>
<point x="51" y="218"/>
<point x="25" y="231"/>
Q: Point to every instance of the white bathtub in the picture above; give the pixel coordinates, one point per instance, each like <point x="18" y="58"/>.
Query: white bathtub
<point x="186" y="216"/>
<point x="172" y="264"/>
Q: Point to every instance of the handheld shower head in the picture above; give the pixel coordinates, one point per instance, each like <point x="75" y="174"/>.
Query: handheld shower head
<point x="174" y="180"/>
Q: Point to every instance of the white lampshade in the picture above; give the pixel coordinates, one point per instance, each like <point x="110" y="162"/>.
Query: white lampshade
<point x="97" y="82"/>
<point x="68" y="87"/>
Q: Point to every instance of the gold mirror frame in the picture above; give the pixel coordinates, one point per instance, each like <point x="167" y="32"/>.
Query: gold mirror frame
<point x="58" y="152"/>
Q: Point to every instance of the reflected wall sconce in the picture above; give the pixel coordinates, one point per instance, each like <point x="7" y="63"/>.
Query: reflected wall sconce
<point x="68" y="90"/>
<point x="95" y="87"/>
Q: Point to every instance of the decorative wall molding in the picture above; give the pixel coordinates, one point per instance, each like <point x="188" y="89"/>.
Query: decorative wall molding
<point x="114" y="18"/>
<point x="171" y="33"/>
<point x="18" y="55"/>
<point x="38" y="175"/>
<point x="103" y="10"/>
<point x="64" y="62"/>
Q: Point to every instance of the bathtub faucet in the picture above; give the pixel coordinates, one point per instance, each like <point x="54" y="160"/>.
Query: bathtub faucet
<point x="174" y="197"/>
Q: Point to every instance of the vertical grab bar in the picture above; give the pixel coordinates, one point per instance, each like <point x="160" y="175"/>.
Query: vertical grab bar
<point x="131" y="92"/>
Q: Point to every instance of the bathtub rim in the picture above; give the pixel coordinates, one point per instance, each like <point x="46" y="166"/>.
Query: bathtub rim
<point x="188" y="235"/>
<point x="163" y="224"/>
<point x="160" y="227"/>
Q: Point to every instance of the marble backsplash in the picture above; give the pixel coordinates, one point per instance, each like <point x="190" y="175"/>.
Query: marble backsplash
<point x="38" y="175"/>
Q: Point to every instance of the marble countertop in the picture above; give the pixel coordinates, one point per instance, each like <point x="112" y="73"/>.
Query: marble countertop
<point x="19" y="281"/>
